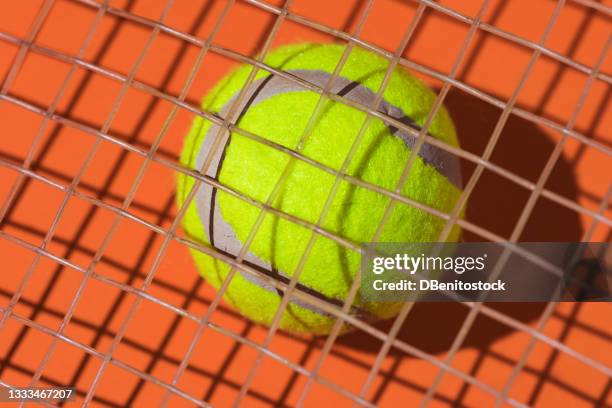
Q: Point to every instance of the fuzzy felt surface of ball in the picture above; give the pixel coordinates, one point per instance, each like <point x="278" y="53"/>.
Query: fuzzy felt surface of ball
<point x="276" y="113"/>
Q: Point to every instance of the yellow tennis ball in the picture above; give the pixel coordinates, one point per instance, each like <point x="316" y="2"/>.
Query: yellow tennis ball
<point x="279" y="110"/>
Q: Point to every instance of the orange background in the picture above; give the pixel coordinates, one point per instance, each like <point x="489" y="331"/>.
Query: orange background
<point x="157" y="338"/>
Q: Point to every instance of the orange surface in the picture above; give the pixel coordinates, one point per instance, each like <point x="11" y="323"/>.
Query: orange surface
<point x="157" y="338"/>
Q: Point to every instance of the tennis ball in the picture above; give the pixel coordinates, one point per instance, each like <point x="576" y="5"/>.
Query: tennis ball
<point x="279" y="110"/>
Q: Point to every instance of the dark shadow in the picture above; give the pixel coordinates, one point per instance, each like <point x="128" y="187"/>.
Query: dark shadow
<point x="495" y="204"/>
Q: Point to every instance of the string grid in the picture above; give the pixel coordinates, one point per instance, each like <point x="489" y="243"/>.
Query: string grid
<point x="110" y="233"/>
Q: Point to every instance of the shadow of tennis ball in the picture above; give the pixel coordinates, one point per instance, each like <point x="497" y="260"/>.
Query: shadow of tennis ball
<point x="495" y="204"/>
